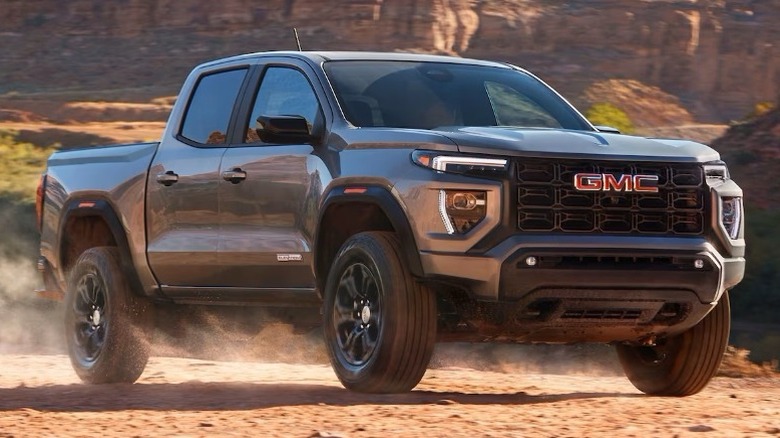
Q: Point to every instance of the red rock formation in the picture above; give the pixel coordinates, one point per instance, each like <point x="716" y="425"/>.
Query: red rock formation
<point x="720" y="57"/>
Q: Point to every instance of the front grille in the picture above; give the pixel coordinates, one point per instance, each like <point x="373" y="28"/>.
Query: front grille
<point x="548" y="202"/>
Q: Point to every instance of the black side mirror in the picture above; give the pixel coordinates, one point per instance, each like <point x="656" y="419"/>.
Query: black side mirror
<point x="283" y="129"/>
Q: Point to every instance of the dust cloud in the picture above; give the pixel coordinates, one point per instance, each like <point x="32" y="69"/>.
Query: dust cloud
<point x="580" y="359"/>
<point x="32" y="325"/>
<point x="28" y="324"/>
<point x="214" y="334"/>
<point x="247" y="334"/>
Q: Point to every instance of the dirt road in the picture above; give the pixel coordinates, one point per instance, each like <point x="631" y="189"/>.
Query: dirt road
<point x="40" y="396"/>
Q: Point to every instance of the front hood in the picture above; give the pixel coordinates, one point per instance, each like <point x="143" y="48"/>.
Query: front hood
<point x="575" y="144"/>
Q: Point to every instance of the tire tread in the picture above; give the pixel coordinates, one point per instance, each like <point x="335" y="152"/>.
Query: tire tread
<point x="695" y="362"/>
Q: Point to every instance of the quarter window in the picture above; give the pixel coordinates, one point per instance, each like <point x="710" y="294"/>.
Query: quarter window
<point x="283" y="92"/>
<point x="211" y="105"/>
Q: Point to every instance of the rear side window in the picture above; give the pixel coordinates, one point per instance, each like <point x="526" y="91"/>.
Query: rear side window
<point x="211" y="105"/>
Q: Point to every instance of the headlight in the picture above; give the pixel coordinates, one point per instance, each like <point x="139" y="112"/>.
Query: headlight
<point x="731" y="215"/>
<point x="463" y="164"/>
<point x="462" y="210"/>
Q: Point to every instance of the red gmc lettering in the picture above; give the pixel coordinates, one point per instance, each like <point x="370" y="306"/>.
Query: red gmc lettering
<point x="588" y="182"/>
<point x="621" y="185"/>
<point x="646" y="183"/>
<point x="600" y="182"/>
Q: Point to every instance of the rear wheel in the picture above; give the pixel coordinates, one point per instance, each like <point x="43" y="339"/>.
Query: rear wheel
<point x="680" y="365"/>
<point x="106" y="325"/>
<point x="379" y="323"/>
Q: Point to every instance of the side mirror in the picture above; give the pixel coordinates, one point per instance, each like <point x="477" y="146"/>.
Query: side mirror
<point x="607" y="129"/>
<point x="283" y="129"/>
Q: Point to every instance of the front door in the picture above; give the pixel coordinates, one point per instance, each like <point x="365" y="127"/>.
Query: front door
<point x="269" y="194"/>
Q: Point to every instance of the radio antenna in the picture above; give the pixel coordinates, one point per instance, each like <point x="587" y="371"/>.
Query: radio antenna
<point x="297" y="40"/>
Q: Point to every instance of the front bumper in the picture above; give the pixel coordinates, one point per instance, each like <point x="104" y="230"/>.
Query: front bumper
<point x="592" y="262"/>
<point x="593" y="288"/>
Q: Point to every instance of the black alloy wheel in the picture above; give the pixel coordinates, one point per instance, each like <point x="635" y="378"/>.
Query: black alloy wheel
<point x="107" y="325"/>
<point x="379" y="322"/>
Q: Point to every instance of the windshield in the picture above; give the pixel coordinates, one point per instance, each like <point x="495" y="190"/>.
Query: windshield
<point x="426" y="95"/>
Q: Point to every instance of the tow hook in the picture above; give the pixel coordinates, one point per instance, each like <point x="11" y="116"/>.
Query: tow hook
<point x="649" y="341"/>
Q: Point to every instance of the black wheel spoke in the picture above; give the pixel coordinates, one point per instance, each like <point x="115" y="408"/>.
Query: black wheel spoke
<point x="91" y="344"/>
<point x="343" y="312"/>
<point x="363" y="343"/>
<point x="356" y="313"/>
<point x="85" y="296"/>
<point x="347" y="284"/>
<point x="88" y="316"/>
<point x="351" y="344"/>
<point x="372" y="335"/>
<point x="83" y="332"/>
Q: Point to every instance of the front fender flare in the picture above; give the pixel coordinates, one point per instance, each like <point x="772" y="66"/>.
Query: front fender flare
<point x="388" y="204"/>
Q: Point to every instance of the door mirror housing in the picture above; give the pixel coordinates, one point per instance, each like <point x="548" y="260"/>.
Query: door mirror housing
<point x="284" y="129"/>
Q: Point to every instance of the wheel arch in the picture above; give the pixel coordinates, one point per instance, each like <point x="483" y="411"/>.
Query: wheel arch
<point x="95" y="222"/>
<point x="360" y="208"/>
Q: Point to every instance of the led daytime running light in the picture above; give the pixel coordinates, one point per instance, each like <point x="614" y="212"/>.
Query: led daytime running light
<point x="445" y="218"/>
<point x="442" y="161"/>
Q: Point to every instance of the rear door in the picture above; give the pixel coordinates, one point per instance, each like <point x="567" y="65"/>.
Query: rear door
<point x="267" y="216"/>
<point x="183" y="182"/>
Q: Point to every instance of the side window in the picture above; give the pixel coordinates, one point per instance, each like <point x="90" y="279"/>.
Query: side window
<point x="512" y="108"/>
<point x="283" y="92"/>
<point x="211" y="105"/>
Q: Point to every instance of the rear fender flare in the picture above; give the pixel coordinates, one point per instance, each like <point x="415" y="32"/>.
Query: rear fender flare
<point x="102" y="208"/>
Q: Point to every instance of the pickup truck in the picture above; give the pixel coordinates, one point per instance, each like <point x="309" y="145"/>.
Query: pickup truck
<point x="410" y="199"/>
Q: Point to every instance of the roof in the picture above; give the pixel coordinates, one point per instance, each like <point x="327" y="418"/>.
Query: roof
<point x="317" y="57"/>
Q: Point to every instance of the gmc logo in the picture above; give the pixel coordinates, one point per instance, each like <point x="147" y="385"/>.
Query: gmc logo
<point x="605" y="182"/>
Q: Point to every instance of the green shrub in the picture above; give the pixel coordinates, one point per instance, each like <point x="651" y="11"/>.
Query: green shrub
<point x="607" y="114"/>
<point x="21" y="165"/>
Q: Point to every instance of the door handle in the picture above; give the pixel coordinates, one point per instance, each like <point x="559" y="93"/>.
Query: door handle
<point x="168" y="178"/>
<point x="234" y="176"/>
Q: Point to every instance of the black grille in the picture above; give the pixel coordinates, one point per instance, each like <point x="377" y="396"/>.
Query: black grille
<point x="548" y="202"/>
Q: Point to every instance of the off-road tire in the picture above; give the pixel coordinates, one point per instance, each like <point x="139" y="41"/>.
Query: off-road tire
<point x="681" y="365"/>
<point x="401" y="317"/>
<point x="107" y="326"/>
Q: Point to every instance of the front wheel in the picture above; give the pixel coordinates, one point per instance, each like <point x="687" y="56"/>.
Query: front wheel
<point x="681" y="365"/>
<point x="106" y="325"/>
<point x="379" y="323"/>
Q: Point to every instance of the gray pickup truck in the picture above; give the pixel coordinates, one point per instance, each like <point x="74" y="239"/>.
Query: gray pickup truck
<point x="410" y="199"/>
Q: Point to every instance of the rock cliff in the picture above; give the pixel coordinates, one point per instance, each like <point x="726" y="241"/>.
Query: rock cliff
<point x="752" y="150"/>
<point x="719" y="57"/>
